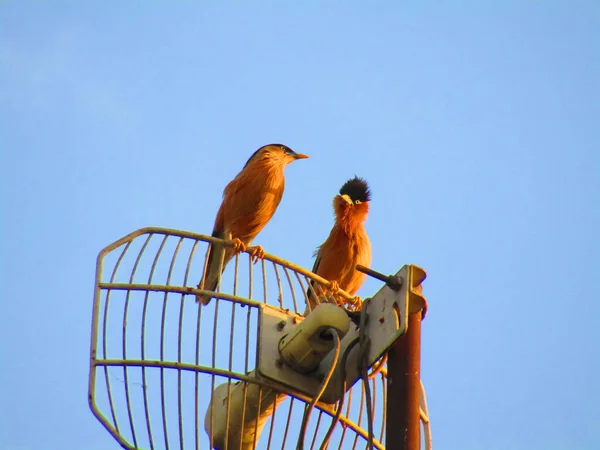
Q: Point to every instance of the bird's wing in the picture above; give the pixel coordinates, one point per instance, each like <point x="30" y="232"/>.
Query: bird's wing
<point x="251" y="202"/>
<point x="311" y="287"/>
<point x="279" y="192"/>
<point x="317" y="260"/>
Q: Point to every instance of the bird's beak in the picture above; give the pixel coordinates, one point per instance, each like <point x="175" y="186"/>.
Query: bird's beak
<point x="301" y="156"/>
<point x="347" y="198"/>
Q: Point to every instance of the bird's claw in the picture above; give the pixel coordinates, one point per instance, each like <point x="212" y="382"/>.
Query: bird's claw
<point x="257" y="253"/>
<point x="334" y="287"/>
<point x="351" y="305"/>
<point x="238" y="246"/>
<point x="356" y="302"/>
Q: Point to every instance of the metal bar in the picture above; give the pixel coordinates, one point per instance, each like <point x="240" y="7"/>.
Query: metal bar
<point x="272" y="424"/>
<point x="305" y="291"/>
<point x="177" y="289"/>
<point x="94" y="349"/>
<point x="287" y="274"/>
<point x="162" y="344"/>
<point x="314" y="439"/>
<point x="197" y="381"/>
<point x="230" y="362"/>
<point x="201" y="237"/>
<point x="211" y="431"/>
<point x="403" y="428"/>
<point x="264" y="277"/>
<point x="260" y="394"/>
<point x="246" y="365"/>
<point x="250" y="277"/>
<point x="360" y="414"/>
<point x="124" y="325"/>
<point x="279" y="286"/>
<point x="390" y="280"/>
<point x="347" y="405"/>
<point x="180" y="333"/>
<point x="287" y="423"/>
<point x="244" y="403"/>
<point x="104" y="333"/>
<point x="211" y="427"/>
<point x="143" y="342"/>
<point x="179" y="349"/>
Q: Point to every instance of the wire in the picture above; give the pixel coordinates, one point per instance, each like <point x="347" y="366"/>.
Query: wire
<point x="363" y="366"/>
<point x="379" y="367"/>
<point x="308" y="409"/>
<point x="338" y="411"/>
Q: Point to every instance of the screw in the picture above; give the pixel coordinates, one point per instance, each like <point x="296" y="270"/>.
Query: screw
<point x="381" y="319"/>
<point x="281" y="325"/>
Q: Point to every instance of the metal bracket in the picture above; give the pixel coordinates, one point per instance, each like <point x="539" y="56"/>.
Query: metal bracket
<point x="387" y="321"/>
<point x="274" y="324"/>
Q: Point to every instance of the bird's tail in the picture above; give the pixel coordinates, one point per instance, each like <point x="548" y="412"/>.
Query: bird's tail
<point x="218" y="257"/>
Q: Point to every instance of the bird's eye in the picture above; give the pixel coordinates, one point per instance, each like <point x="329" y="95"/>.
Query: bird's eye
<point x="358" y="202"/>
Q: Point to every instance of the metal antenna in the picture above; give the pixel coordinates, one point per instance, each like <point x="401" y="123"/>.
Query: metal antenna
<point x="256" y="367"/>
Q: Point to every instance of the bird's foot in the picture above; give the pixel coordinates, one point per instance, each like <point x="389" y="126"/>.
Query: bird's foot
<point x="334" y="287"/>
<point x="257" y="253"/>
<point x="238" y="246"/>
<point x="356" y="303"/>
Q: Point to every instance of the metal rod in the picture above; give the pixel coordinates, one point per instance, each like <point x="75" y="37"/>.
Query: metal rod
<point x="390" y="280"/>
<point x="403" y="427"/>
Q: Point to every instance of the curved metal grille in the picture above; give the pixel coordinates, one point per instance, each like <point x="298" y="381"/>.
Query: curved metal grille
<point x="157" y="355"/>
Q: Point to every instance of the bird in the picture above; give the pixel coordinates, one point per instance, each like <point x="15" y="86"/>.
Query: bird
<point x="249" y="202"/>
<point x="347" y="245"/>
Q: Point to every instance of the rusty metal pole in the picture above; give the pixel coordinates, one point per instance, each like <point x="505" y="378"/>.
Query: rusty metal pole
<point x="403" y="425"/>
<point x="403" y="418"/>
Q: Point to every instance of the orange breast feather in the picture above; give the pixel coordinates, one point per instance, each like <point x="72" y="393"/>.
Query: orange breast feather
<point x="340" y="254"/>
<point x="250" y="201"/>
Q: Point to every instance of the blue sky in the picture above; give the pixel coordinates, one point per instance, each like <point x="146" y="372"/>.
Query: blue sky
<point x="476" y="124"/>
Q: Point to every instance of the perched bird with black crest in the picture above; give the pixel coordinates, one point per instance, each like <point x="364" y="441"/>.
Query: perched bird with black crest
<point x="249" y="202"/>
<point x="347" y="245"/>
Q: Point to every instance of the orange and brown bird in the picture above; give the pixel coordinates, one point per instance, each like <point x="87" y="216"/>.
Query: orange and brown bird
<point x="249" y="202"/>
<point x="348" y="243"/>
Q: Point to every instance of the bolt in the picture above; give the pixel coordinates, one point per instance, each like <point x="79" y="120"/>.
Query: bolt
<point x="281" y="325"/>
<point x="381" y="319"/>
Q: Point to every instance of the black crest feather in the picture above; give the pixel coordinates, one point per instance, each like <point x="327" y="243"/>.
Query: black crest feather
<point x="357" y="189"/>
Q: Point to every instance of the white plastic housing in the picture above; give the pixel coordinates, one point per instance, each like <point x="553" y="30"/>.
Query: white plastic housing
<point x="239" y="435"/>
<point x="307" y="343"/>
